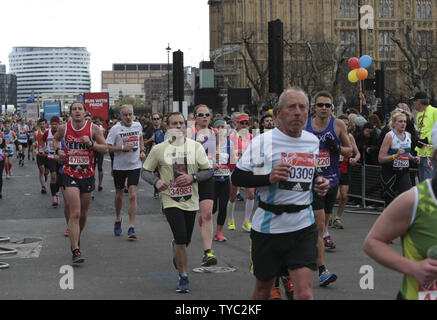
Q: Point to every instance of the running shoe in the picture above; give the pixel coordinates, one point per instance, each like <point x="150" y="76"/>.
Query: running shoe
<point x="337" y="224"/>
<point x="99" y="188"/>
<point x="289" y="287"/>
<point x="231" y="224"/>
<point x="117" y="227"/>
<point x="55" y="201"/>
<point x="43" y="190"/>
<point x="209" y="259"/>
<point x="329" y="244"/>
<point x="77" y="256"/>
<point x="131" y="234"/>
<point x="326" y="278"/>
<point x="182" y="286"/>
<point x="219" y="237"/>
<point x="330" y="221"/>
<point x="239" y="197"/>
<point x="247" y="226"/>
<point x="66" y="233"/>
<point x="276" y="294"/>
<point x="156" y="195"/>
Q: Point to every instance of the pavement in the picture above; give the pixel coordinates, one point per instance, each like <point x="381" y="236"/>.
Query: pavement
<point x="116" y="268"/>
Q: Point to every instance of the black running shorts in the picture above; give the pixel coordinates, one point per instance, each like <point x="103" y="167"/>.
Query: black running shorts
<point x="84" y="185"/>
<point x="327" y="202"/>
<point x="120" y="176"/>
<point x="206" y="189"/>
<point x="272" y="255"/>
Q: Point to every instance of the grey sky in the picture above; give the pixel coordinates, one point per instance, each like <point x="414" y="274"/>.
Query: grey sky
<point x="114" y="31"/>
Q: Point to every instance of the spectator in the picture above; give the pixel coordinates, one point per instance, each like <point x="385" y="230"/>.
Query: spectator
<point x="374" y="119"/>
<point x="367" y="143"/>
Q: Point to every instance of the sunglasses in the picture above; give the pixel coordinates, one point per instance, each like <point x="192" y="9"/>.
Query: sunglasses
<point x="156" y="118"/>
<point x="244" y="123"/>
<point x="201" y="115"/>
<point x="326" y="105"/>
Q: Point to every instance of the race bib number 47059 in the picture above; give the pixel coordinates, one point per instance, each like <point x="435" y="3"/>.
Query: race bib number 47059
<point x="301" y="172"/>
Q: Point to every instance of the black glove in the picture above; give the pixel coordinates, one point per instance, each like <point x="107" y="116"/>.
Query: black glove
<point x="332" y="145"/>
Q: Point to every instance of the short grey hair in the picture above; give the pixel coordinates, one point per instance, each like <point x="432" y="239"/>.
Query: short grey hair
<point x="128" y="106"/>
<point x="290" y="90"/>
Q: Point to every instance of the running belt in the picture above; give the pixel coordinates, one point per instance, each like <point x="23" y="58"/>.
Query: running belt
<point x="280" y="209"/>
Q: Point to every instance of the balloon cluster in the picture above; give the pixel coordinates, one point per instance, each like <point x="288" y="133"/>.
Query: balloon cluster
<point x="359" y="67"/>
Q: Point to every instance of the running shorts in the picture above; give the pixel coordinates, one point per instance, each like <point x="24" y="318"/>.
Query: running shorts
<point x="272" y="255"/>
<point x="41" y="160"/>
<point x="120" y="176"/>
<point x="327" y="202"/>
<point x="345" y="179"/>
<point x="206" y="189"/>
<point x="86" y="185"/>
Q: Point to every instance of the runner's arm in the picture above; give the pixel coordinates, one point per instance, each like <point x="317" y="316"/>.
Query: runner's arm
<point x="383" y="156"/>
<point x="346" y="147"/>
<point x="57" y="138"/>
<point x="241" y="178"/>
<point x="149" y="177"/>
<point x="393" y="223"/>
<point x="100" y="146"/>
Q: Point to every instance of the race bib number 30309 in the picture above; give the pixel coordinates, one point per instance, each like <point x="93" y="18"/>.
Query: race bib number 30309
<point x="301" y="172"/>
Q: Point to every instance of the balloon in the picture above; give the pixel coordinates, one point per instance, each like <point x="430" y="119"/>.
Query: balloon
<point x="365" y="62"/>
<point x="354" y="63"/>
<point x="352" y="76"/>
<point x="362" y="74"/>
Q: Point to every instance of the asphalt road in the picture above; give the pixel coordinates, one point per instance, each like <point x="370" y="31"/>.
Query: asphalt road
<point x="118" y="269"/>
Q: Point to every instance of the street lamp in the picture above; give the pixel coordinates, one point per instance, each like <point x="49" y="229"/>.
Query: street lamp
<point x="168" y="77"/>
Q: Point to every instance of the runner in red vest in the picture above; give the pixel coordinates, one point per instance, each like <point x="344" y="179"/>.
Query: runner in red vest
<point x="82" y="138"/>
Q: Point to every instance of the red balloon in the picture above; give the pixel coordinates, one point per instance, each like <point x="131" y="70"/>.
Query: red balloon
<point x="354" y="63"/>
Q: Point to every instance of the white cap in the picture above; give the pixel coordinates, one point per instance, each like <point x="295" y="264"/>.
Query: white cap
<point x="434" y="136"/>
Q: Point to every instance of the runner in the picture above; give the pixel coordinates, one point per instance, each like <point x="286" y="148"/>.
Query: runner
<point x="41" y="156"/>
<point x="22" y="139"/>
<point x="334" y="140"/>
<point x="224" y="163"/>
<point x="3" y="157"/>
<point x="125" y="139"/>
<point x="98" y="161"/>
<point x="413" y="217"/>
<point x="51" y="163"/>
<point x="201" y="133"/>
<point x="9" y="137"/>
<point x="32" y="141"/>
<point x="81" y="139"/>
<point x="282" y="165"/>
<point x="241" y="138"/>
<point x="181" y="163"/>
<point x="345" y="178"/>
<point x="395" y="156"/>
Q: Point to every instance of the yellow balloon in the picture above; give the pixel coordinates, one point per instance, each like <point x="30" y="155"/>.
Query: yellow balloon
<point x="352" y="76"/>
<point x="270" y="112"/>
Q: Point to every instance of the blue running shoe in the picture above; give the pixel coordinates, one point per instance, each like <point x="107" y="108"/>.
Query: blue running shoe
<point x="117" y="227"/>
<point x="131" y="234"/>
<point x="326" y="278"/>
<point x="183" y="285"/>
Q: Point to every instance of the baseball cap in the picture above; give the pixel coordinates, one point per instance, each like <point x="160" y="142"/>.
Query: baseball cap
<point x="420" y="96"/>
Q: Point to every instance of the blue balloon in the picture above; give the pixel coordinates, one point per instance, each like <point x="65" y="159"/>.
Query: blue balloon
<point x="365" y="62"/>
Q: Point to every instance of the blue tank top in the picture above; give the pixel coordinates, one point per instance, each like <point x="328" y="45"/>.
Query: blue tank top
<point x="327" y="161"/>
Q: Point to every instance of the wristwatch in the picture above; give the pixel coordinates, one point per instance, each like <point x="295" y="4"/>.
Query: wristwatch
<point x="194" y="177"/>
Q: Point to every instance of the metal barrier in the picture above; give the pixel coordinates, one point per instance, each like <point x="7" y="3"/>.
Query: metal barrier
<point x="366" y="183"/>
<point x="5" y="251"/>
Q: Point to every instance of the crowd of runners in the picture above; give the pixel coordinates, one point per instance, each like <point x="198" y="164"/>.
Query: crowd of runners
<point x="292" y="164"/>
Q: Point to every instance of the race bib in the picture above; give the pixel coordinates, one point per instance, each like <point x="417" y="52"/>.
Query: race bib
<point x="132" y="140"/>
<point x="428" y="294"/>
<point x="180" y="193"/>
<point x="222" y="171"/>
<point x="10" y="149"/>
<point x="79" y="159"/>
<point x="301" y="172"/>
<point x="402" y="162"/>
<point x="324" y="161"/>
